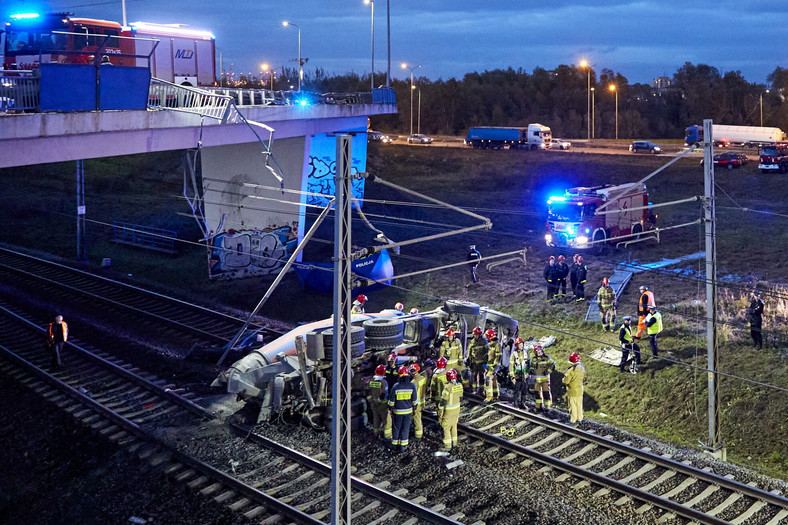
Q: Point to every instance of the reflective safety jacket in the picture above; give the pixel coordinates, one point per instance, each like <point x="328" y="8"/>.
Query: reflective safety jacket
<point x="58" y="333"/>
<point x="452" y="351"/>
<point x="392" y="376"/>
<point x="541" y="366"/>
<point x="646" y="300"/>
<point x="378" y="390"/>
<point x="437" y="384"/>
<point x="420" y="382"/>
<point x="519" y="363"/>
<point x="625" y="334"/>
<point x="451" y="395"/>
<point x="402" y="397"/>
<point x="493" y="354"/>
<point x="551" y="273"/>
<point x="606" y="297"/>
<point x="574" y="380"/>
<point x="653" y="323"/>
<point x="479" y="350"/>
<point x="357" y="308"/>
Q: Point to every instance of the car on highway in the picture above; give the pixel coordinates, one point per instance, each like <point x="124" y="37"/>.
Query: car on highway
<point x="377" y="136"/>
<point x="730" y="160"/>
<point x="418" y="138"/>
<point x="561" y="144"/>
<point x="644" y="145"/>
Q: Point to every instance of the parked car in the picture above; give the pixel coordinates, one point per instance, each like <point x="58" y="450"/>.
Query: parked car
<point x="644" y="145"/>
<point x="377" y="136"/>
<point x="418" y="138"/>
<point x="561" y="144"/>
<point x="730" y="160"/>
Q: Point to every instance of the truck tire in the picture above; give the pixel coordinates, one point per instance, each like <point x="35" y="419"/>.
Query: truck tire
<point x="356" y="335"/>
<point x="383" y="327"/>
<point x="356" y="350"/>
<point x="383" y="343"/>
<point x="461" y="307"/>
<point x="599" y="241"/>
<point x="637" y="230"/>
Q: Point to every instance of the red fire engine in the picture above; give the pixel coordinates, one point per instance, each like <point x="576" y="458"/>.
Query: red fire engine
<point x="575" y="221"/>
<point x="774" y="157"/>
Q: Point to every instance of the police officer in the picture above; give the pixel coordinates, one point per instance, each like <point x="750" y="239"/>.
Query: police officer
<point x="541" y="367"/>
<point x="401" y="400"/>
<point x="653" y="323"/>
<point x="563" y="272"/>
<point x="581" y="271"/>
<point x="420" y="382"/>
<point x="450" y="414"/>
<point x="518" y="371"/>
<point x="628" y="343"/>
<point x="473" y="261"/>
<point x="478" y="352"/>
<point x="755" y="316"/>
<point x="551" y="274"/>
<point x="492" y="391"/>
<point x="378" y="398"/>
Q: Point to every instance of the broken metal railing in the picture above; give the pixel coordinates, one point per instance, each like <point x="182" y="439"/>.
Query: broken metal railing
<point x="19" y="91"/>
<point x="168" y="96"/>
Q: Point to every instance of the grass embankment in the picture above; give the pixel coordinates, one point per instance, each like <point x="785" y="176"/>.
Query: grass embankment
<point x="667" y="400"/>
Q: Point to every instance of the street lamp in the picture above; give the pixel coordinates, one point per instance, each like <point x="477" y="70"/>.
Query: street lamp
<point x="372" y="72"/>
<point x="388" y="44"/>
<point x="418" y="118"/>
<point x="593" y="113"/>
<point x="406" y="66"/>
<point x="762" y="92"/>
<point x="268" y="69"/>
<point x="584" y="64"/>
<point x="300" y="67"/>
<point x="614" y="90"/>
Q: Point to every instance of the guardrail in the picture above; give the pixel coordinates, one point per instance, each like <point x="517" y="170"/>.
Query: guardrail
<point x="144" y="237"/>
<point x="19" y="91"/>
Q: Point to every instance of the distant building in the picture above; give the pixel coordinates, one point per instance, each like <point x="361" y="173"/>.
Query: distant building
<point x="661" y="83"/>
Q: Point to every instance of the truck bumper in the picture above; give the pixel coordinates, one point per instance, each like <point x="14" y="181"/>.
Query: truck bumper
<point x="769" y="167"/>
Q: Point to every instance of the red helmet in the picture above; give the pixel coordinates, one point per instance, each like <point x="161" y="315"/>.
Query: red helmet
<point x="392" y="357"/>
<point x="450" y="332"/>
<point x="414" y="368"/>
<point x="441" y="363"/>
<point x="490" y="333"/>
<point x="561" y="258"/>
<point x="414" y="310"/>
<point x="380" y="370"/>
<point x="605" y="281"/>
<point x="362" y="298"/>
<point x="518" y="341"/>
<point x="477" y="330"/>
<point x="399" y="307"/>
<point x="402" y="371"/>
<point x="579" y="259"/>
<point x="451" y="375"/>
<point x="552" y="258"/>
<point x="574" y="357"/>
<point x="538" y="347"/>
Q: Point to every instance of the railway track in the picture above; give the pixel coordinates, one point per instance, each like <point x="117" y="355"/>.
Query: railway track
<point x="129" y="409"/>
<point x="187" y="325"/>
<point x="657" y="483"/>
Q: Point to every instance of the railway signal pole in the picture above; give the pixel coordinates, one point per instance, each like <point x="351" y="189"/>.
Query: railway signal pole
<point x="716" y="446"/>
<point x="340" y="389"/>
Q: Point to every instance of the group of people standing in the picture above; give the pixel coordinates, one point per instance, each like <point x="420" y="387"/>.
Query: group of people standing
<point x="555" y="273"/>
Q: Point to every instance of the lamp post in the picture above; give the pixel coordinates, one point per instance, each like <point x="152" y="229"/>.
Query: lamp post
<point x="270" y="70"/>
<point x="584" y="64"/>
<point x="406" y="66"/>
<point x="418" y="118"/>
<point x="300" y="67"/>
<point x="593" y="113"/>
<point x="388" y="45"/>
<point x="615" y="90"/>
<point x="762" y="92"/>
<point x="372" y="71"/>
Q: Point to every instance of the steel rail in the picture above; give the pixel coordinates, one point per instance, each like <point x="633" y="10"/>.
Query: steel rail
<point x="423" y="513"/>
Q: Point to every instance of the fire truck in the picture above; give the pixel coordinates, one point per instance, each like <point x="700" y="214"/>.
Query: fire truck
<point x="575" y="221"/>
<point x="181" y="55"/>
<point x="773" y="157"/>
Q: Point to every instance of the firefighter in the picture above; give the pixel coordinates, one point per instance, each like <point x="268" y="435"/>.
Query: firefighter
<point x="645" y="300"/>
<point x="563" y="272"/>
<point x="57" y="335"/>
<point x="477" y="355"/>
<point x="653" y="322"/>
<point x="541" y="367"/>
<point x="551" y="273"/>
<point x="491" y="389"/>
<point x="437" y="383"/>
<point x="401" y="401"/>
<point x="474" y="256"/>
<point x="358" y="304"/>
<point x="420" y="382"/>
<point x="451" y="349"/>
<point x="450" y="414"/>
<point x="399" y="307"/>
<point x="414" y="311"/>
<point x="755" y="316"/>
<point x="581" y="270"/>
<point x="378" y="397"/>
<point x="606" y="298"/>
<point x="518" y="371"/>
<point x="573" y="379"/>
<point x="573" y="275"/>
<point x="628" y="343"/>
<point x="391" y="370"/>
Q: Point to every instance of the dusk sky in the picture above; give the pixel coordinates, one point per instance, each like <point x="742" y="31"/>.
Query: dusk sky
<point x="448" y="38"/>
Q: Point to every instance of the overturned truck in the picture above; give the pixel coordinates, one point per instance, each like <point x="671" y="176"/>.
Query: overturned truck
<point x="291" y="376"/>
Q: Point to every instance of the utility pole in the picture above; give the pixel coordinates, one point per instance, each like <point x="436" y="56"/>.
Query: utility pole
<point x="716" y="445"/>
<point x="340" y="389"/>
<point x="81" y="243"/>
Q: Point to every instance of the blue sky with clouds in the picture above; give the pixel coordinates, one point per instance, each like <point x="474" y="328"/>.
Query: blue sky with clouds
<point x="639" y="39"/>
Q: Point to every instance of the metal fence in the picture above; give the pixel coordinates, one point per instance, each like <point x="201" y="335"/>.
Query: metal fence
<point x="144" y="237"/>
<point x="19" y="91"/>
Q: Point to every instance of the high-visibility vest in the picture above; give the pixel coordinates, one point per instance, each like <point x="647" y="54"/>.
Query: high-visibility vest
<point x="627" y="331"/>
<point x="655" y="328"/>
<point x="518" y="363"/>
<point x="450" y="398"/>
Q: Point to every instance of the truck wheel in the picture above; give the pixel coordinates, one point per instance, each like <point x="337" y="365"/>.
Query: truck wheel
<point x="383" y="343"/>
<point x="356" y="350"/>
<point x="599" y="242"/>
<point x="356" y="335"/>
<point x="637" y="229"/>
<point x="461" y="307"/>
<point x="654" y="151"/>
<point x="383" y="327"/>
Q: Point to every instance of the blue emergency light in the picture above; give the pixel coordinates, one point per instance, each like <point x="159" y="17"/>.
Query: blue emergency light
<point x="556" y="199"/>
<point x="24" y="16"/>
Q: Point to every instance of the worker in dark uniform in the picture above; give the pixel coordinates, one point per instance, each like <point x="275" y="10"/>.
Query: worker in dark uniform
<point x="551" y="274"/>
<point x="563" y="273"/>
<point x="391" y="370"/>
<point x="581" y="270"/>
<point x="473" y="261"/>
<point x="378" y="398"/>
<point x="628" y="343"/>
<point x="519" y="363"/>
<point x="573" y="275"/>
<point x="401" y="401"/>
<point x="755" y="316"/>
<point x="478" y="351"/>
<point x="57" y="336"/>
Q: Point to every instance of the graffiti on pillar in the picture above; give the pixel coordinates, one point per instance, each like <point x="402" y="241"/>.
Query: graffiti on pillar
<point x="246" y="253"/>
<point x="323" y="167"/>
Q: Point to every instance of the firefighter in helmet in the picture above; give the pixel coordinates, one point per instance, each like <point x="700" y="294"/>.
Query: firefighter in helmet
<point x="580" y="273"/>
<point x="573" y="379"/>
<point x="519" y="363"/>
<point x="377" y="398"/>
<point x="551" y="274"/>
<point x="420" y="382"/>
<point x="606" y="298"/>
<point x="391" y="369"/>
<point x="437" y="383"/>
<point x="414" y="311"/>
<point x="402" y="398"/>
<point x="491" y="367"/>
<point x="399" y="307"/>
<point x="542" y="365"/>
<point x="563" y="272"/>
<point x="478" y="351"/>
<point x="450" y="413"/>
<point x="451" y="349"/>
<point x="358" y="304"/>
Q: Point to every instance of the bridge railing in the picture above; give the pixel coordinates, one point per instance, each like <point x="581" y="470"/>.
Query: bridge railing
<point x="19" y="91"/>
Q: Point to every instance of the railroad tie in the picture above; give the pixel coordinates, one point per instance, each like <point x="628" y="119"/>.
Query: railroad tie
<point x="754" y="508"/>
<point x="779" y="517"/>
<point x="385" y="518"/>
<point x="257" y="511"/>
<point x="496" y="423"/>
<point x="313" y="502"/>
<point x="533" y="432"/>
<point x="369" y="508"/>
<point x="314" y="486"/>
